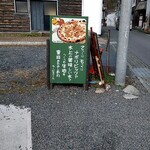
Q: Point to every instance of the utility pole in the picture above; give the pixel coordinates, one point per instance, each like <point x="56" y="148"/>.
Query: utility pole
<point x="124" y="28"/>
<point x="148" y="13"/>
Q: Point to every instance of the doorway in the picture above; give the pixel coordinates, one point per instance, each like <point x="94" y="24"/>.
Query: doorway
<point x="40" y="14"/>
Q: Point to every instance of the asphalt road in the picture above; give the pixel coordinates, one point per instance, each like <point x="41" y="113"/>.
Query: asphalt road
<point x="137" y="60"/>
<point x="139" y="44"/>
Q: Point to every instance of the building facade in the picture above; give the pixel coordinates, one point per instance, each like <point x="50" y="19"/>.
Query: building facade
<point x="139" y="9"/>
<point x="33" y="15"/>
<point x="140" y="13"/>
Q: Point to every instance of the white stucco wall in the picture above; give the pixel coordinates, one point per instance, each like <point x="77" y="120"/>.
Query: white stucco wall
<point x="93" y="9"/>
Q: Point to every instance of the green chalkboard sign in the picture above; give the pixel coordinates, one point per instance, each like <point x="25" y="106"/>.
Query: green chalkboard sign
<point x="68" y="49"/>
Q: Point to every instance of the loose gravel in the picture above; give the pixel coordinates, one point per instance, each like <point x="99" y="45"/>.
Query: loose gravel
<point x="67" y="117"/>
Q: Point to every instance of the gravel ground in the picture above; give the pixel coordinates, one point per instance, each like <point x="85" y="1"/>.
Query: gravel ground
<point x="67" y="117"/>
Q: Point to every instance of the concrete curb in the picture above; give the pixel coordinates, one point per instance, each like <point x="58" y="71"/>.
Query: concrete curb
<point x="22" y="43"/>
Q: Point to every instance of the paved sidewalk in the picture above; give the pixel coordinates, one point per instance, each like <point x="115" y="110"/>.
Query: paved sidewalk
<point x="30" y="41"/>
<point x="140" y="69"/>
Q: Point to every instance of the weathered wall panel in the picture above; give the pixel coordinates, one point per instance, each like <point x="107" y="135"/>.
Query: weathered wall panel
<point x="15" y="22"/>
<point x="69" y="7"/>
<point x="11" y="21"/>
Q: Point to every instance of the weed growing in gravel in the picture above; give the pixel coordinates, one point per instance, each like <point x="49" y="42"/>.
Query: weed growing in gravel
<point x="94" y="79"/>
<point x="22" y="81"/>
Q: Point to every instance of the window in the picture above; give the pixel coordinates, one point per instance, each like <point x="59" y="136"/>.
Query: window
<point x="21" y="6"/>
<point x="50" y="8"/>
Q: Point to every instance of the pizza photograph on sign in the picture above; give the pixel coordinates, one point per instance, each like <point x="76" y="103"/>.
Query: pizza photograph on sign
<point x="67" y="30"/>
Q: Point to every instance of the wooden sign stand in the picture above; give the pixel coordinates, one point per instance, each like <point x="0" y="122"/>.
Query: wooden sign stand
<point x="96" y="54"/>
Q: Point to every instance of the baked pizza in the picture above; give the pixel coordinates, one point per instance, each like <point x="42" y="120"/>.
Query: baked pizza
<point x="72" y="31"/>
